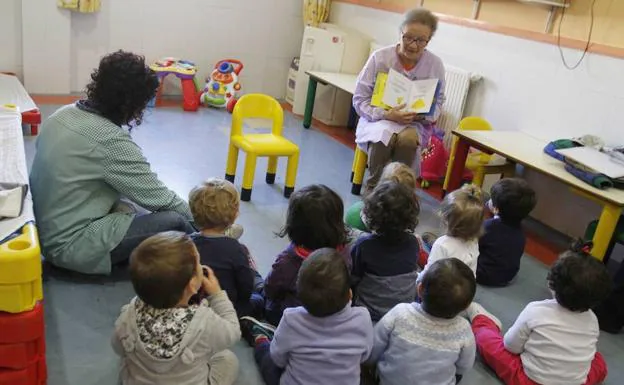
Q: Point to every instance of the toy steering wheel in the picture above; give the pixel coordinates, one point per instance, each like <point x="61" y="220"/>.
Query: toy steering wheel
<point x="236" y="65"/>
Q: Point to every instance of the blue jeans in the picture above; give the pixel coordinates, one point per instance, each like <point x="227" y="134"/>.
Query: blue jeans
<point x="144" y="226"/>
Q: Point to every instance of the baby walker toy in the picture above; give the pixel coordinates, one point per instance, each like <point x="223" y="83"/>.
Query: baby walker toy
<point x="185" y="71"/>
<point x="222" y="86"/>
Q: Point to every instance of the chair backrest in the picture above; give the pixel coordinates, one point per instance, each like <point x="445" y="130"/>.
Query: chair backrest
<point x="257" y="106"/>
<point x="474" y="123"/>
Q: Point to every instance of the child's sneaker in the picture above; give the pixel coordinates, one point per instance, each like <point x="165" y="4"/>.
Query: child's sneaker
<point x="476" y="309"/>
<point x="235" y="231"/>
<point x="252" y="329"/>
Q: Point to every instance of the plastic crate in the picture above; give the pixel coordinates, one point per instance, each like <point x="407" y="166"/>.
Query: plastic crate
<point x="35" y="374"/>
<point x="20" y="272"/>
<point x="22" y="338"/>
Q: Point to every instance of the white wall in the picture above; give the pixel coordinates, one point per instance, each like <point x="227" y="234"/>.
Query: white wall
<point x="526" y="88"/>
<point x="11" y="36"/>
<point x="263" y="34"/>
<point x="45" y="47"/>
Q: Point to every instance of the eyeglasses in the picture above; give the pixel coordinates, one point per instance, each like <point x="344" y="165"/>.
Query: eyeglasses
<point x="421" y="41"/>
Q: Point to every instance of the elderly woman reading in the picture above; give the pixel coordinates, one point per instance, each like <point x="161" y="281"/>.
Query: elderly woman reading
<point x="395" y="134"/>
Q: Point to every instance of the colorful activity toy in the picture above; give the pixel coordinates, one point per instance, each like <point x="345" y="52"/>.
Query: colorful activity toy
<point x="222" y="86"/>
<point x="183" y="70"/>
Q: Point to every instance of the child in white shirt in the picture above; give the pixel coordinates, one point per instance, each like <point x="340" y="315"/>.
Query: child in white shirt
<point x="553" y="342"/>
<point x="462" y="213"/>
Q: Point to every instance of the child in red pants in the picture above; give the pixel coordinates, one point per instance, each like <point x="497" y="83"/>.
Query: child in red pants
<point x="553" y="342"/>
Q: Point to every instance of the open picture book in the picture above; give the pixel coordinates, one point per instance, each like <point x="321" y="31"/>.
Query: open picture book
<point x="393" y="89"/>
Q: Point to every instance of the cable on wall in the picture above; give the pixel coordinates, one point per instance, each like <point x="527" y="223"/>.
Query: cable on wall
<point x="589" y="36"/>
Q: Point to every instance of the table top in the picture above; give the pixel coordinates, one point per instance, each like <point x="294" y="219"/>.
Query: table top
<point x="13" y="92"/>
<point x="529" y="151"/>
<point x="345" y="82"/>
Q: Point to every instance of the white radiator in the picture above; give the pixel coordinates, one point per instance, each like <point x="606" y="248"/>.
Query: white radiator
<point x="458" y="82"/>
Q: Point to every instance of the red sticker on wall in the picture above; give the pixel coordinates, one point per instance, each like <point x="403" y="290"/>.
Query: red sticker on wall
<point x="335" y="39"/>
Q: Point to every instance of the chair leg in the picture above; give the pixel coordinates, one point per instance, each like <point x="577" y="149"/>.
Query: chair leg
<point x="359" y="168"/>
<point x="479" y="177"/>
<point x="232" y="160"/>
<point x="291" y="174"/>
<point x="271" y="170"/>
<point x="248" y="177"/>
<point x="356" y="156"/>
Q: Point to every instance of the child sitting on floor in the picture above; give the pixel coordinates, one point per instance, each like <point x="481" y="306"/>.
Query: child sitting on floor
<point x="428" y="343"/>
<point x="162" y="339"/>
<point x="385" y="262"/>
<point x="502" y="245"/>
<point x="395" y="171"/>
<point x="552" y="342"/>
<point x="325" y="340"/>
<point x="215" y="205"/>
<point x="462" y="214"/>
<point x="313" y="221"/>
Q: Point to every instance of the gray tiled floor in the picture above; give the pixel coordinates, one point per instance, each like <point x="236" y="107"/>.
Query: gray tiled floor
<point x="185" y="148"/>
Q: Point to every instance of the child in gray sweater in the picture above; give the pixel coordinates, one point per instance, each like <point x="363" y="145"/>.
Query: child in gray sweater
<point x="159" y="336"/>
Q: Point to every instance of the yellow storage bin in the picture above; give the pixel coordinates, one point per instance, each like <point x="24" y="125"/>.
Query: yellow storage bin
<point x="20" y="272"/>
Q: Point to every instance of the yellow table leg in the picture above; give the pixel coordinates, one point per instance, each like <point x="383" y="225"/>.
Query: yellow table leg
<point x="605" y="230"/>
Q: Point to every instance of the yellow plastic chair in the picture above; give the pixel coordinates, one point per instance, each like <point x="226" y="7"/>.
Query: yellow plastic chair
<point x="360" y="158"/>
<point x="477" y="161"/>
<point x="271" y="145"/>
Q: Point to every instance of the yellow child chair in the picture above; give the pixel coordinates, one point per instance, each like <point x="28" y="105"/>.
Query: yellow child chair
<point x="271" y="145"/>
<point x="477" y="161"/>
<point x="360" y="158"/>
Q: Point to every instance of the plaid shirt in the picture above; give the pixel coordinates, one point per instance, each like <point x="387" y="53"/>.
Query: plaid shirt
<point x="83" y="165"/>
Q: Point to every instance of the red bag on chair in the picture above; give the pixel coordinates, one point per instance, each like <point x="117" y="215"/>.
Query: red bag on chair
<point x="435" y="160"/>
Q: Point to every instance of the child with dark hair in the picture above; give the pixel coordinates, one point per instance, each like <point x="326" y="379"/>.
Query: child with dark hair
<point x="394" y="171"/>
<point x="428" y="342"/>
<point x="215" y="206"/>
<point x="313" y="221"/>
<point x="462" y="215"/>
<point x="160" y="337"/>
<point x="325" y="340"/>
<point x="502" y="245"/>
<point x="385" y="262"/>
<point x="552" y="342"/>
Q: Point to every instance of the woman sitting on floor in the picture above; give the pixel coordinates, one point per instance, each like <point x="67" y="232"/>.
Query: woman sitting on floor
<point x="86" y="162"/>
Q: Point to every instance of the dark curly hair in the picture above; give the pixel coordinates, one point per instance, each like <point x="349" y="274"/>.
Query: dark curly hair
<point x="514" y="199"/>
<point x="121" y="87"/>
<point x="315" y="218"/>
<point x="579" y="281"/>
<point x="391" y="209"/>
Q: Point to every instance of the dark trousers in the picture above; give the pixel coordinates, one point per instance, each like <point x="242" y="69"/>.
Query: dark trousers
<point x="610" y="313"/>
<point x="270" y="372"/>
<point x="144" y="226"/>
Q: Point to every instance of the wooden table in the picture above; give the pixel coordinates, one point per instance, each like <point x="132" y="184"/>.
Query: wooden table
<point x="345" y="82"/>
<point x="529" y="151"/>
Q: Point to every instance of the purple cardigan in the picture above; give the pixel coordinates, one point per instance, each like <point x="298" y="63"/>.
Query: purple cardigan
<point x="280" y="285"/>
